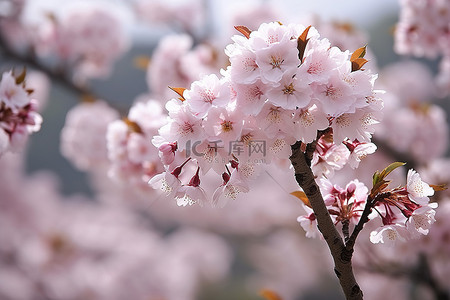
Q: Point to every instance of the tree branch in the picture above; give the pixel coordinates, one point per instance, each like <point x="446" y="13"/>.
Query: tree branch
<point x="350" y="243"/>
<point x="59" y="76"/>
<point x="341" y="257"/>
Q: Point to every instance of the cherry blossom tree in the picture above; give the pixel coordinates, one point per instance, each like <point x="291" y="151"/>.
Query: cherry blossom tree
<point x="235" y="138"/>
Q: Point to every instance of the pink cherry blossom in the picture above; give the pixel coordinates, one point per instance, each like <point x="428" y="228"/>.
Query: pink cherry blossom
<point x="418" y="191"/>
<point x="277" y="61"/>
<point x="167" y="182"/>
<point x="274" y="119"/>
<point x="207" y="92"/>
<point x="388" y="234"/>
<point x="183" y="127"/>
<point x="360" y="152"/>
<point x="245" y="70"/>
<point x="224" y="125"/>
<point x="269" y="34"/>
<point x="12" y="95"/>
<point x="308" y="122"/>
<point x="335" y="96"/>
<point x="230" y="189"/>
<point x="80" y="136"/>
<point x="250" y="98"/>
<point x="292" y="92"/>
<point x="309" y="223"/>
<point x="421" y="219"/>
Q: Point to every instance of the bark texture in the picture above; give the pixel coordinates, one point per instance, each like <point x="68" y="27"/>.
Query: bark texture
<point x="341" y="255"/>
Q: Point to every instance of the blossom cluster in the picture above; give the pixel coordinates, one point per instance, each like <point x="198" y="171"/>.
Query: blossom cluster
<point x="59" y="247"/>
<point x="87" y="37"/>
<point x="18" y="112"/>
<point x="344" y="204"/>
<point x="405" y="212"/>
<point x="83" y="137"/>
<point x="409" y="117"/>
<point x="133" y="158"/>
<point x="423" y="28"/>
<point x="284" y="84"/>
<point x="175" y="62"/>
<point x="424" y="31"/>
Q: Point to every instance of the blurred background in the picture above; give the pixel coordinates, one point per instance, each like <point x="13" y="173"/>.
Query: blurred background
<point x="69" y="231"/>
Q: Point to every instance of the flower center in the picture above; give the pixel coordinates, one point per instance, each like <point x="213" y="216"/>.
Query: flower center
<point x="186" y="128"/>
<point x="227" y="126"/>
<point x="276" y="61"/>
<point x="274" y="115"/>
<point x="289" y="89"/>
<point x="208" y="96"/>
<point x="330" y="91"/>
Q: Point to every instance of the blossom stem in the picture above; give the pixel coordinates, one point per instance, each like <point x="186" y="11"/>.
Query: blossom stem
<point x="350" y="243"/>
<point x="341" y="257"/>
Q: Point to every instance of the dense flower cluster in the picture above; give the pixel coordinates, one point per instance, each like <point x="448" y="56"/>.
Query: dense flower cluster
<point x="18" y="116"/>
<point x="229" y="133"/>
<point x="133" y="158"/>
<point x="186" y="14"/>
<point x="405" y="212"/>
<point x="423" y="28"/>
<point x="86" y="36"/>
<point x="424" y="31"/>
<point x="175" y="62"/>
<point x="59" y="247"/>
<point x="409" y="118"/>
<point x="83" y="137"/>
<point x="275" y="92"/>
<point x="344" y="204"/>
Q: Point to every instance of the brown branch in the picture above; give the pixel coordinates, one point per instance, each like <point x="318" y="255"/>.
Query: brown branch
<point x="341" y="257"/>
<point x="350" y="243"/>
<point x="59" y="76"/>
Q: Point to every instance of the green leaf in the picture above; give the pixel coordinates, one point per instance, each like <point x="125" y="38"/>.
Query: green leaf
<point x="376" y="178"/>
<point x="391" y="168"/>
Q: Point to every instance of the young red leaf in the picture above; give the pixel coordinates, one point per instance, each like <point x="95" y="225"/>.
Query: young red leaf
<point x="358" y="63"/>
<point x="141" y="62"/>
<point x="439" y="187"/>
<point x="244" y="30"/>
<point x="301" y="43"/>
<point x="88" y="98"/>
<point x="270" y="295"/>
<point x="359" y="53"/>
<point x="133" y="126"/>
<point x="179" y="91"/>
<point x="302" y="196"/>
<point x="21" y="78"/>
